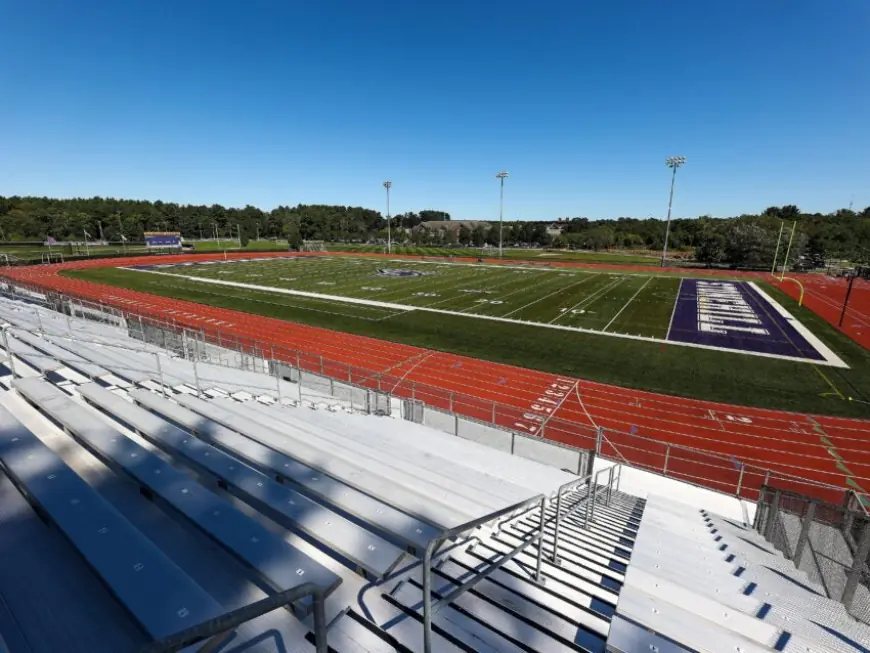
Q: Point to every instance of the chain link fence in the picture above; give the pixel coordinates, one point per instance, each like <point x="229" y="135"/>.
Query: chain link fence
<point x="827" y="541"/>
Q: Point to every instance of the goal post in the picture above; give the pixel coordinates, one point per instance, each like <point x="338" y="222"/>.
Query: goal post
<point x="313" y="246"/>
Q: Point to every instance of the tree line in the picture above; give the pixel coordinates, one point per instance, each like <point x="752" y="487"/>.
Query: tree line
<point x="744" y="241"/>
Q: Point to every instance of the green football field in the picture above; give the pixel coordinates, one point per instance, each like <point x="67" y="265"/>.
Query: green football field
<point x="589" y="323"/>
<point x="636" y="304"/>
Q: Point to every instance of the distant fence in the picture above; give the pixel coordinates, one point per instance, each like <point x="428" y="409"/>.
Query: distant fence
<point x="829" y="542"/>
<point x="453" y="412"/>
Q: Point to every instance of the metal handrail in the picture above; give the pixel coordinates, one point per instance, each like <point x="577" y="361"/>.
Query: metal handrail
<point x="220" y="626"/>
<point x="449" y="533"/>
<point x="853" y="496"/>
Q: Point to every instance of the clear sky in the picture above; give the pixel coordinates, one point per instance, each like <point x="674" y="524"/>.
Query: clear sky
<point x="273" y="102"/>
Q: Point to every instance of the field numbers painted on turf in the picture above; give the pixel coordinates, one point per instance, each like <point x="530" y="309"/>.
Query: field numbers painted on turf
<point x="426" y="294"/>
<point x="574" y="311"/>
<point x="488" y="301"/>
<point x="372" y="288"/>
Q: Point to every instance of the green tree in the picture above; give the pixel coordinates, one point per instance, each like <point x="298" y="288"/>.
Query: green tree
<point x="464" y="236"/>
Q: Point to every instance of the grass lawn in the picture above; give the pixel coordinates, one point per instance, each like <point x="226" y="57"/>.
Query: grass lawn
<point x="635" y="304"/>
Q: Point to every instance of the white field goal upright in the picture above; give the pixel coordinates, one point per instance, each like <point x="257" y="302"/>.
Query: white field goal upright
<point x="313" y="246"/>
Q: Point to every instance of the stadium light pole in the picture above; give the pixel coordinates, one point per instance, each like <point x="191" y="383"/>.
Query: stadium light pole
<point x="388" y="185"/>
<point x="87" y="249"/>
<point x="501" y="177"/>
<point x="672" y="162"/>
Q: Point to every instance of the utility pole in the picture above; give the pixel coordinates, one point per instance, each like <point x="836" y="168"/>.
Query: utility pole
<point x="501" y="176"/>
<point x="121" y="231"/>
<point x="673" y="162"/>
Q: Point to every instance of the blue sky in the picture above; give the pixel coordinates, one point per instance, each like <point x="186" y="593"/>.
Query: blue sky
<point x="281" y="102"/>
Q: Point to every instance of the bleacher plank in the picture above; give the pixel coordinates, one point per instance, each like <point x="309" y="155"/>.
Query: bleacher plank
<point x="409" y="530"/>
<point x="161" y="598"/>
<point x="102" y="357"/>
<point x="277" y="563"/>
<point x="67" y="358"/>
<point x="417" y="503"/>
<point x="32" y="357"/>
<point x="628" y="637"/>
<point x="375" y="442"/>
<point x="443" y="507"/>
<point x="290" y="508"/>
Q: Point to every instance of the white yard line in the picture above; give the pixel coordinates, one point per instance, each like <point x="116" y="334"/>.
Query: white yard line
<point x="555" y="292"/>
<point x="830" y="357"/>
<point x="589" y="300"/>
<point x="626" y="305"/>
<point x="493" y="318"/>
<point x="674" y="310"/>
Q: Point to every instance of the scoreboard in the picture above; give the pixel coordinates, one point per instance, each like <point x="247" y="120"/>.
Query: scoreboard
<point x="163" y="239"/>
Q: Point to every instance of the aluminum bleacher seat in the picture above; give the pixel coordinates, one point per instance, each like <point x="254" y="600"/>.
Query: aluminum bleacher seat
<point x="394" y="524"/>
<point x="270" y="558"/>
<point x="371" y="553"/>
<point x="345" y="468"/>
<point x="160" y="597"/>
<point x="68" y="358"/>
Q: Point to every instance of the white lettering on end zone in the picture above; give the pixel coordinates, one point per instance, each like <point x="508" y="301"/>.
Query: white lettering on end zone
<point x="721" y="305"/>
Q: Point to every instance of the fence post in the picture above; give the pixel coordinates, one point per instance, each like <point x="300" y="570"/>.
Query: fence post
<point x="767" y="477"/>
<point x="277" y="380"/>
<point x="321" y="366"/>
<point x="8" y="351"/>
<point x="349" y="374"/>
<point x="493" y="412"/>
<point x="196" y="378"/>
<point x="184" y="342"/>
<point x="160" y="374"/>
<point x="740" y="478"/>
<point x="805" y="534"/>
<point x="772" y="515"/>
<point x="451" y="402"/>
<point x="667" y="457"/>
<point x="858" y="563"/>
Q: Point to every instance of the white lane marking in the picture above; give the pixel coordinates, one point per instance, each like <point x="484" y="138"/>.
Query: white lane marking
<point x="674" y="310"/>
<point x="626" y="305"/>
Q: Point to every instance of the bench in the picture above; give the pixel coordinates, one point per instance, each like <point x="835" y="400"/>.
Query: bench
<point x="404" y="528"/>
<point x="68" y="358"/>
<point x="402" y="489"/>
<point x="158" y="594"/>
<point x="274" y="562"/>
<point x="374" y="555"/>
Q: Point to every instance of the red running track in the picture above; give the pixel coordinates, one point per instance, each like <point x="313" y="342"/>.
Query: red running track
<point x="638" y="425"/>
<point x="825" y="296"/>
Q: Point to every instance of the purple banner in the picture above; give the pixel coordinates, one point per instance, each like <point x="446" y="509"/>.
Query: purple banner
<point x="732" y="315"/>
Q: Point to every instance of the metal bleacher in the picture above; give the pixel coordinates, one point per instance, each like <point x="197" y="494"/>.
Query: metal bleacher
<point x="143" y="495"/>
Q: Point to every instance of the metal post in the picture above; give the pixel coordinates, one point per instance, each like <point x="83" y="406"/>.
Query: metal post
<point x="513" y="442"/>
<point x="846" y="299"/>
<point x="740" y="478"/>
<point x="776" y="253"/>
<point x="594" y="493"/>
<point x="427" y="597"/>
<point x="277" y="380"/>
<point x="184" y="343"/>
<point x="772" y="516"/>
<point x="668" y="223"/>
<point x="450" y="405"/>
<point x="788" y="251"/>
<point x="805" y="534"/>
<point x="38" y="319"/>
<point x="541" y="541"/>
<point x="501" y="177"/>
<point x="555" y="557"/>
<point x="8" y="351"/>
<point x="493" y="412"/>
<point x="196" y="378"/>
<point x="610" y="484"/>
<point x="321" y="365"/>
<point x="160" y="374"/>
<point x="858" y="563"/>
<point x="766" y="477"/>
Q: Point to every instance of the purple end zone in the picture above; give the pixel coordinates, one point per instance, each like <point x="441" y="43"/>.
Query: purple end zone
<point x="732" y="315"/>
